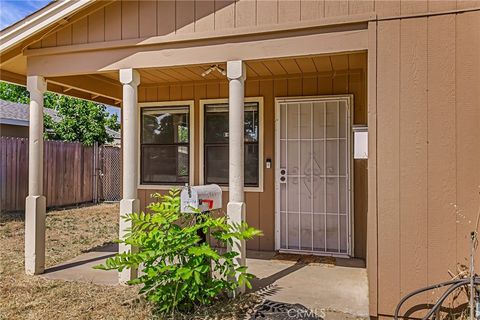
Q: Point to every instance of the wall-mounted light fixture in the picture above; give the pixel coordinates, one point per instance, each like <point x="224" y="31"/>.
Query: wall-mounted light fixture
<point x="212" y="68"/>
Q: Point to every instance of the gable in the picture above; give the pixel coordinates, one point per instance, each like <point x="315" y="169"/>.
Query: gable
<point x="123" y="20"/>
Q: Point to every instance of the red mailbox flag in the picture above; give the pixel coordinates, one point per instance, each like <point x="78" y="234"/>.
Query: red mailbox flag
<point x="210" y="203"/>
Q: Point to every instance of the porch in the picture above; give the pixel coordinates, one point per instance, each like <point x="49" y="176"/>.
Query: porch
<point x="324" y="93"/>
<point x="315" y="282"/>
<point x="319" y="284"/>
<point x="248" y="162"/>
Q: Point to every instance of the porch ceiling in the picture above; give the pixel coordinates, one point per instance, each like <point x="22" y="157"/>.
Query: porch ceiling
<point x="106" y="87"/>
<point x="255" y="69"/>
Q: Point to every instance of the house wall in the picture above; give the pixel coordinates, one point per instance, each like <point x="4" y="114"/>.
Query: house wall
<point x="427" y="119"/>
<point x="134" y="19"/>
<point x="8" y="130"/>
<point x="428" y="150"/>
<point x="261" y="205"/>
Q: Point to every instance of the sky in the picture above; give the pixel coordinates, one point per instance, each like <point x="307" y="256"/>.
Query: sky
<point x="12" y="11"/>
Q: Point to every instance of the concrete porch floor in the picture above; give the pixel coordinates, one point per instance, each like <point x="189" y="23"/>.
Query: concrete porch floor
<point x="331" y="284"/>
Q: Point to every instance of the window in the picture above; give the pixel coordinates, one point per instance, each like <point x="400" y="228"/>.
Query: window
<point x="216" y="152"/>
<point x="165" y="146"/>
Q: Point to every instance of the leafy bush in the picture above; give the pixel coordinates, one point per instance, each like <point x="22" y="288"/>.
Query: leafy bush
<point x="180" y="272"/>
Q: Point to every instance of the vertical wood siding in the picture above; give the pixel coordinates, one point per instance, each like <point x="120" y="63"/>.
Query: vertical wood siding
<point x="131" y="19"/>
<point x="428" y="149"/>
<point x="261" y="206"/>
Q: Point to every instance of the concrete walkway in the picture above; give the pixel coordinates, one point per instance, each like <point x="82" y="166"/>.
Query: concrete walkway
<point x="338" y="285"/>
<point x="329" y="284"/>
<point x="81" y="267"/>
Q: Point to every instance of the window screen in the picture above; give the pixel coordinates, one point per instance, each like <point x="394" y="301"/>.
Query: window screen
<point x="216" y="144"/>
<point x="165" y="145"/>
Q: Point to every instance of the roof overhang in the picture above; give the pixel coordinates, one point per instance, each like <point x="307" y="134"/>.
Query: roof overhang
<point x="15" y="39"/>
<point x="53" y="13"/>
<point x="14" y="122"/>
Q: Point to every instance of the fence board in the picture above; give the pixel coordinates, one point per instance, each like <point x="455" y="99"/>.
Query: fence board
<point x="3" y="173"/>
<point x="68" y="173"/>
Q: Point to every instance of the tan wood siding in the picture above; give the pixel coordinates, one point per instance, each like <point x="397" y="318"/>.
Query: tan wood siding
<point x="96" y="26"/>
<point x="312" y="9"/>
<point x="335" y="8"/>
<point x="413" y="153"/>
<point x="64" y="36"/>
<point x="113" y="22"/>
<point x="130" y="19"/>
<point x="428" y="149"/>
<point x="246" y="13"/>
<point x="80" y="31"/>
<point x="388" y="164"/>
<point x="442" y="166"/>
<point x="467" y="130"/>
<point x="372" y="186"/>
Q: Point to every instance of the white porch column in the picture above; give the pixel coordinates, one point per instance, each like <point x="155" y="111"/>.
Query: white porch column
<point x="35" y="206"/>
<point x="129" y="203"/>
<point x="236" y="74"/>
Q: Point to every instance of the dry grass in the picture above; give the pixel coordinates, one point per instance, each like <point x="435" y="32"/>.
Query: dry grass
<point x="69" y="233"/>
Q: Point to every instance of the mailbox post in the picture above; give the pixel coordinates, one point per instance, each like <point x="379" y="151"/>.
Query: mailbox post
<point x="203" y="198"/>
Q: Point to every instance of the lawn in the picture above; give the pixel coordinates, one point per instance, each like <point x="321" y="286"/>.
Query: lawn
<point x="68" y="234"/>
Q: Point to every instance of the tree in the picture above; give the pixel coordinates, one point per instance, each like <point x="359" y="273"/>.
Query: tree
<point x="13" y="93"/>
<point x="79" y="120"/>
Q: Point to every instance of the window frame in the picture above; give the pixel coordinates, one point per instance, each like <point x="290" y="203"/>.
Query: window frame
<point x="201" y="146"/>
<point x="191" y="145"/>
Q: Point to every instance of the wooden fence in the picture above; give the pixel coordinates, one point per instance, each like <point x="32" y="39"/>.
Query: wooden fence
<point x="71" y="173"/>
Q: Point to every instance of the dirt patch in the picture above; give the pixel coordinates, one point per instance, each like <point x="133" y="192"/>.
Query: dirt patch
<point x="68" y="234"/>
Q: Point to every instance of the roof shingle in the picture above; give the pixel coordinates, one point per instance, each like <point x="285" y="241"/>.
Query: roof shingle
<point x="19" y="113"/>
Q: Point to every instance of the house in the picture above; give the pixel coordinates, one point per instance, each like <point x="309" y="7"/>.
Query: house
<point x="117" y="137"/>
<point x="263" y="98"/>
<point x="14" y="119"/>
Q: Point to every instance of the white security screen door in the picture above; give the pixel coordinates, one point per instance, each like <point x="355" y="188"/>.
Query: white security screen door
<point x="313" y="175"/>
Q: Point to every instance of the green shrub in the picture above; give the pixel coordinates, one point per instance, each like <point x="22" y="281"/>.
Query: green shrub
<point x="180" y="272"/>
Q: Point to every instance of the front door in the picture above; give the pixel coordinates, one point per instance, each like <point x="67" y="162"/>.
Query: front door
<point x="313" y="175"/>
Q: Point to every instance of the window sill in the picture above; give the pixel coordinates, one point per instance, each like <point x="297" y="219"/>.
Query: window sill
<point x="169" y="187"/>
<point x="158" y="187"/>
<point x="246" y="189"/>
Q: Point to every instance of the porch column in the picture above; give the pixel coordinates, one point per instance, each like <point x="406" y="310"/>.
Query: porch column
<point x="236" y="74"/>
<point x="35" y="206"/>
<point x="130" y="80"/>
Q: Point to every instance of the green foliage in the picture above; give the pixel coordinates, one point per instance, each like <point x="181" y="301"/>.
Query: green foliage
<point x="80" y="120"/>
<point x="180" y="272"/>
<point x="13" y="93"/>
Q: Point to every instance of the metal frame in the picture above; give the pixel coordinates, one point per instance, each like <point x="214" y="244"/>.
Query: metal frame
<point x="348" y="98"/>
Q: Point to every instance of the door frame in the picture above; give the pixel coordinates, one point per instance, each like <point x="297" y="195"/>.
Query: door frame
<point x="350" y="197"/>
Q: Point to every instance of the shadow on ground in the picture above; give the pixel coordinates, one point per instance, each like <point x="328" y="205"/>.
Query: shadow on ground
<point x="305" y="285"/>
